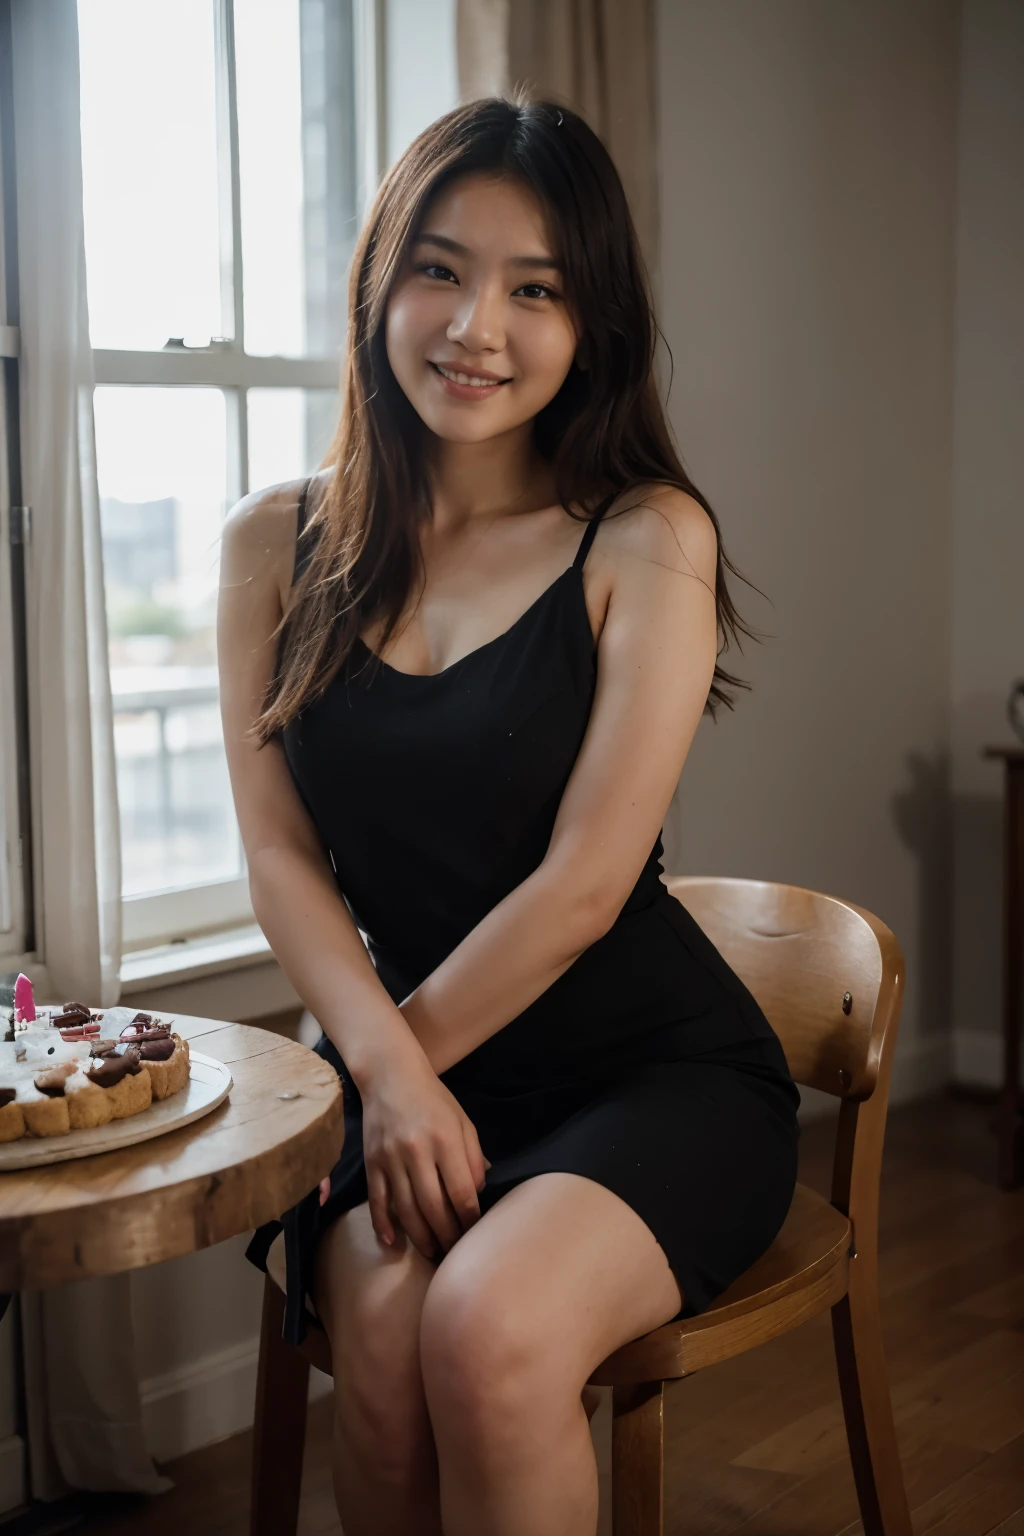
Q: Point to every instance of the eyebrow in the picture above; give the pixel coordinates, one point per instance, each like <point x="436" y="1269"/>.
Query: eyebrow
<point x="446" y="244"/>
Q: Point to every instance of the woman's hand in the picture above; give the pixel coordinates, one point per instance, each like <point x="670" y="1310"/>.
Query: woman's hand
<point x="421" y="1152"/>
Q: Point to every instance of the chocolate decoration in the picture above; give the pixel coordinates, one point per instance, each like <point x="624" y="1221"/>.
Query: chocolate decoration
<point x="52" y="1079"/>
<point x="73" y="1014"/>
<point x="157" y="1050"/>
<point x="109" y="1070"/>
<point x="143" y="1018"/>
<point x="102" y="1047"/>
<point x="135" y="1033"/>
<point x="7" y="1096"/>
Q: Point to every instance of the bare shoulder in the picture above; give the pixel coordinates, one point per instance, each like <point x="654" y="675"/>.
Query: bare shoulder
<point x="266" y="518"/>
<point x="258" y="540"/>
<point x="661" y="525"/>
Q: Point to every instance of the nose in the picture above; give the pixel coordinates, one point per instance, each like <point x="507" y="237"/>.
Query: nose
<point x="478" y="323"/>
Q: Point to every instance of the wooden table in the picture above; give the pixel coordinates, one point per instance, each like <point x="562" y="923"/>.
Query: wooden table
<point x="1010" y="1122"/>
<point x="243" y="1164"/>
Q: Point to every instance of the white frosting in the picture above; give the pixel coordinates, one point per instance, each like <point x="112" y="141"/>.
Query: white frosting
<point x="35" y="1047"/>
<point x="38" y="1045"/>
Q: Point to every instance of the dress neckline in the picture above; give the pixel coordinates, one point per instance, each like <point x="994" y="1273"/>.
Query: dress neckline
<point x="488" y="645"/>
<point x="575" y="570"/>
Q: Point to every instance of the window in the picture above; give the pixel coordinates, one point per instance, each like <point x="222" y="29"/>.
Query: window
<point x="229" y="148"/>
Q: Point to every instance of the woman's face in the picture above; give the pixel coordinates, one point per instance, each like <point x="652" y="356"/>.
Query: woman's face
<point x="481" y="296"/>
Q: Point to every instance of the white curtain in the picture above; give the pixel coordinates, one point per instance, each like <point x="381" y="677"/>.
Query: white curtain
<point x="73" y="738"/>
<point x="84" y="1415"/>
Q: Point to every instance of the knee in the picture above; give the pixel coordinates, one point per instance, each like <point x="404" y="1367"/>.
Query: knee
<point x="484" y="1363"/>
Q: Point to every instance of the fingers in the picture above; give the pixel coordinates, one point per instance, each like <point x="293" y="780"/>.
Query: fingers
<point x="325" y="1189"/>
<point x="426" y="1188"/>
<point x="408" y="1209"/>
<point x="378" y="1194"/>
<point x="462" y="1181"/>
<point x="432" y="1197"/>
<point x="478" y="1164"/>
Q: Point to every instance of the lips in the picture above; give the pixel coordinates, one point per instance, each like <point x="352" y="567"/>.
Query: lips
<point x="468" y="380"/>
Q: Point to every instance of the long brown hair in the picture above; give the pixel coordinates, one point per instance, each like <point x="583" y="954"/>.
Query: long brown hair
<point x="604" y="430"/>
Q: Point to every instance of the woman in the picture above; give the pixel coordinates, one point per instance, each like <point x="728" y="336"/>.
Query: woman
<point x="461" y="670"/>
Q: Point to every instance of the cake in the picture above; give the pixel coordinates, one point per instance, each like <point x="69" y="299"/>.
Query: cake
<point x="71" y="1069"/>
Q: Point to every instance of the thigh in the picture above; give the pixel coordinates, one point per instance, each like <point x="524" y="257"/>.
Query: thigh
<point x="559" y="1268"/>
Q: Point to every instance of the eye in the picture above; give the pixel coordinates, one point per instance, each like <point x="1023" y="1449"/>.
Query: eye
<point x="540" y="291"/>
<point x="433" y="266"/>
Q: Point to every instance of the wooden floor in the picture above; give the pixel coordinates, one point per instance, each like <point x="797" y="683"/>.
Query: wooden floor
<point x="757" y="1445"/>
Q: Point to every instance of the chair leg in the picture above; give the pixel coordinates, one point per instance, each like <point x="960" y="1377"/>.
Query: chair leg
<point x="867" y="1407"/>
<point x="279" y="1430"/>
<point x="638" y="1450"/>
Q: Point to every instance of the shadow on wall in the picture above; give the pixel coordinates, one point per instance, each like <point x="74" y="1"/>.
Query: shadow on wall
<point x="922" y="817"/>
<point x="977" y="911"/>
<point x="979" y="721"/>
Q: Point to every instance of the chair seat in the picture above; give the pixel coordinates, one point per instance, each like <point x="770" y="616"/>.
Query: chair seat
<point x="802" y="1273"/>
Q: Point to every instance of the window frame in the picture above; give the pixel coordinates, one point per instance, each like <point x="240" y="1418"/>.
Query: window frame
<point x="183" y="913"/>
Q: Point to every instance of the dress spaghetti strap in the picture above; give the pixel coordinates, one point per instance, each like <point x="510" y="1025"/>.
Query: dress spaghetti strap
<point x="303" y="498"/>
<point x="591" y="529"/>
<point x="301" y="554"/>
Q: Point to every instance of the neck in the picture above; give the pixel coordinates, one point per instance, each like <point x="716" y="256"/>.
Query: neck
<point x="470" y="481"/>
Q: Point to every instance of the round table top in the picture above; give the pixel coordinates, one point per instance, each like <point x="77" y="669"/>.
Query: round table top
<point x="241" y="1165"/>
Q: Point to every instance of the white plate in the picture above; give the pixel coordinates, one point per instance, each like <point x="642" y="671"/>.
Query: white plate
<point x="208" y="1086"/>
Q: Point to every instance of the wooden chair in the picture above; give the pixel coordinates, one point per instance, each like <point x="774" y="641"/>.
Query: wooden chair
<point x="829" y="976"/>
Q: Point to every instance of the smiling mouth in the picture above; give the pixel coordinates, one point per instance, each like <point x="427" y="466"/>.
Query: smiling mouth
<point x="473" y="379"/>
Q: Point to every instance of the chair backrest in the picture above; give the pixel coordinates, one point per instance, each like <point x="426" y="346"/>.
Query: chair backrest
<point x="828" y="975"/>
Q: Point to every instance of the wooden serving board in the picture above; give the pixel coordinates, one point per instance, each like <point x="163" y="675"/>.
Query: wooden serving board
<point x="208" y="1086"/>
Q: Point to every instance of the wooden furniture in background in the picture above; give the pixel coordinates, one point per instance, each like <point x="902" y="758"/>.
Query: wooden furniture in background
<point x="829" y="976"/>
<point x="246" y="1162"/>
<point x="1010" y="1122"/>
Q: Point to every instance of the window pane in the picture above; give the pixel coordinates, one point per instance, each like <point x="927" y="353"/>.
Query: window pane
<point x="163" y="491"/>
<point x="149" y="165"/>
<point x="290" y="430"/>
<point x="297" y="164"/>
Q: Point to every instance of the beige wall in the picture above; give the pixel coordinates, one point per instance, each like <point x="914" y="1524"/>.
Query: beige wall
<point x="988" y="501"/>
<point x="808" y="158"/>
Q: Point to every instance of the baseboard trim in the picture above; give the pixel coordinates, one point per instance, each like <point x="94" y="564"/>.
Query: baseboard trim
<point x="206" y="1400"/>
<point x="977" y="1058"/>
<point x="13" y="1485"/>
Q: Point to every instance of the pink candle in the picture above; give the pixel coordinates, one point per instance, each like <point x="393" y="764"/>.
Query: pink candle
<point x="24" y="1001"/>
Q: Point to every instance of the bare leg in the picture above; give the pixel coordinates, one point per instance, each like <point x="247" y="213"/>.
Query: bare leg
<point x="369" y="1298"/>
<point x="529" y="1301"/>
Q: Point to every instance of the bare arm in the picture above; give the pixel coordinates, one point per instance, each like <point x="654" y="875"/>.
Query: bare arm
<point x="421" y="1150"/>
<point x="656" y="657"/>
<point x="294" y="893"/>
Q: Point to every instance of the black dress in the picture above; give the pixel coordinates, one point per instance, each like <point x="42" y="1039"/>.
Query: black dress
<point x="647" y="1066"/>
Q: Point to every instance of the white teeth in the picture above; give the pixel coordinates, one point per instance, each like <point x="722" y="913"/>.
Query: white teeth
<point x="465" y="378"/>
